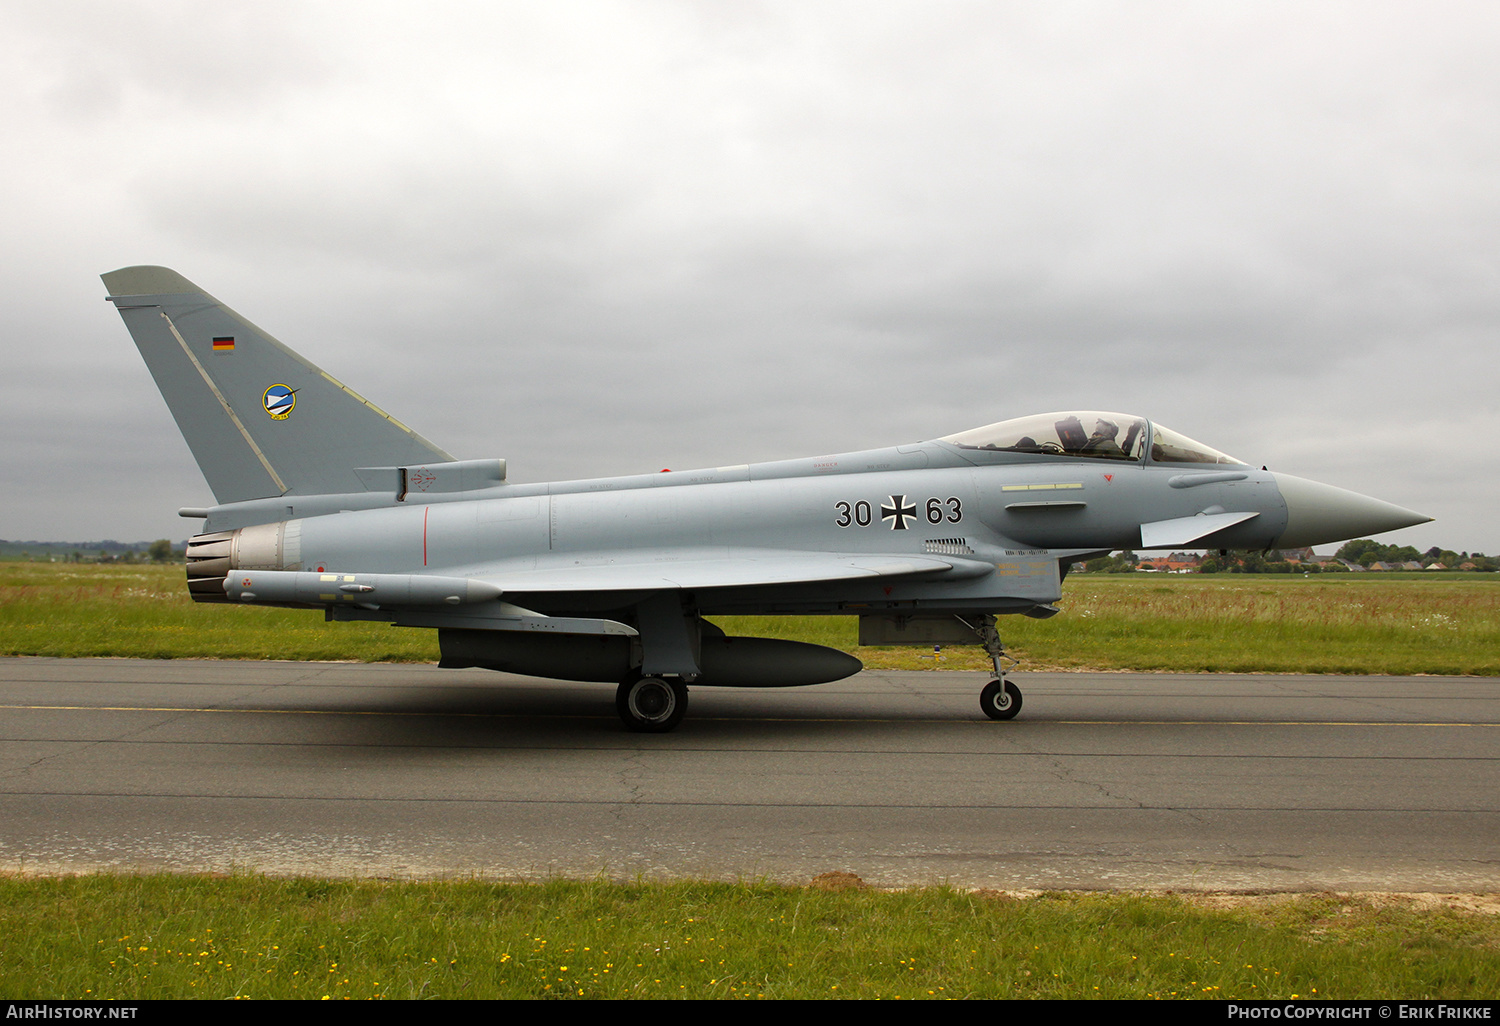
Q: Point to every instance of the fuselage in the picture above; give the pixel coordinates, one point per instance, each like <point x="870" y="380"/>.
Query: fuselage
<point x="1008" y="521"/>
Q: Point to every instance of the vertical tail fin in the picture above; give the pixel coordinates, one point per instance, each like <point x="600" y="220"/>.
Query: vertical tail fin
<point x="260" y="420"/>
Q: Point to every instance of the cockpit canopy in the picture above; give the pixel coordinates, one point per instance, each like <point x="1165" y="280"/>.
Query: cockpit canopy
<point x="1091" y="435"/>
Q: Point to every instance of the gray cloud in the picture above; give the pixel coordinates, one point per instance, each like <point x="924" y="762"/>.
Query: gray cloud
<point x="599" y="238"/>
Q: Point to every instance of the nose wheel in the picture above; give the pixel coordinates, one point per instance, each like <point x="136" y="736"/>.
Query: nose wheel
<point x="1000" y="700"/>
<point x="651" y="705"/>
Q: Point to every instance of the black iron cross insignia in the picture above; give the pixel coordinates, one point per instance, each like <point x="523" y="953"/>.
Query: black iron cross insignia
<point x="898" y="511"/>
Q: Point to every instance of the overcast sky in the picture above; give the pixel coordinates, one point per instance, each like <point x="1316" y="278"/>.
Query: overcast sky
<point x="602" y="238"/>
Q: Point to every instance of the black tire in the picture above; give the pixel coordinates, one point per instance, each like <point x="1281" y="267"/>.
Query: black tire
<point x="1000" y="702"/>
<point x="651" y="705"/>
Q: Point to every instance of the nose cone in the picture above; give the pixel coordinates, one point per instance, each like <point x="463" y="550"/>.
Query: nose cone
<point x="1318" y="513"/>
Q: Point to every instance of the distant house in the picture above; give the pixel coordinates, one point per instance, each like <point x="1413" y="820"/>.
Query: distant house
<point x="1165" y="567"/>
<point x="1176" y="563"/>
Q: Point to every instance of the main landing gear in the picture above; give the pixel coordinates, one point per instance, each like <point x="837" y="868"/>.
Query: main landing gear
<point x="652" y="705"/>
<point x="1000" y="699"/>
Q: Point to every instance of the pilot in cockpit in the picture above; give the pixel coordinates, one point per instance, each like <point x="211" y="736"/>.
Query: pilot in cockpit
<point x="1102" y="441"/>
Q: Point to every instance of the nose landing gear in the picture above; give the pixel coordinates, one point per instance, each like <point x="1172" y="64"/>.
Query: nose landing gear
<point x="1000" y="699"/>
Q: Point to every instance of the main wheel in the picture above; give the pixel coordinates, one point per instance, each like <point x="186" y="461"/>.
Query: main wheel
<point x="1000" y="700"/>
<point x="651" y="705"/>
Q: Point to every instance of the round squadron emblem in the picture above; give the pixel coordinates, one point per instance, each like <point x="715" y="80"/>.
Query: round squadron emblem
<point x="280" y="400"/>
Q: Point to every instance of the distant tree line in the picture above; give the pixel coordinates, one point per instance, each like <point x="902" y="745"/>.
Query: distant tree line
<point x="1363" y="552"/>
<point x="1260" y="563"/>
<point x="1367" y="552"/>
<point x="107" y="551"/>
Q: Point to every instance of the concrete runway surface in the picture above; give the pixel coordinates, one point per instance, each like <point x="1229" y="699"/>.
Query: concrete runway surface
<point x="1107" y="780"/>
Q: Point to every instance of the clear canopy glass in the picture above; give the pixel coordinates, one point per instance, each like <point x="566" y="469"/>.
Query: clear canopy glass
<point x="1091" y="435"/>
<point x="1167" y="446"/>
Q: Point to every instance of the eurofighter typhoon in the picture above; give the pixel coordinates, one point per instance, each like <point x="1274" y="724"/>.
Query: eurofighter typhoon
<point x="326" y="502"/>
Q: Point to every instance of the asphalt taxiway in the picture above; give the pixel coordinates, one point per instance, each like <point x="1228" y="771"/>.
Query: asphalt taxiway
<point x="1212" y="781"/>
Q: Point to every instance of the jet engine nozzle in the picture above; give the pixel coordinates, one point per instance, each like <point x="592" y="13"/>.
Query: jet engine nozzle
<point x="212" y="557"/>
<point x="1319" y="513"/>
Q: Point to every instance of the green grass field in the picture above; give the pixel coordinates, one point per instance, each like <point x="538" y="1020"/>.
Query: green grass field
<point x="108" y="937"/>
<point x="1334" y="623"/>
<point x="131" y="937"/>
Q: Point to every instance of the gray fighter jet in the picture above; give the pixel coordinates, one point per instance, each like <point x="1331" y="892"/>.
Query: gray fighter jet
<point x="327" y="502"/>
